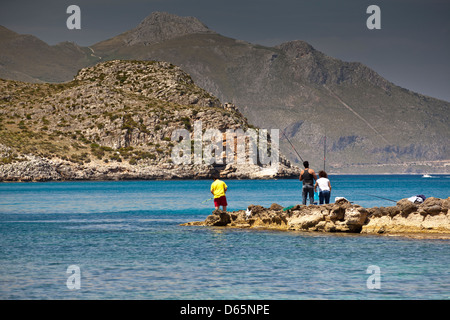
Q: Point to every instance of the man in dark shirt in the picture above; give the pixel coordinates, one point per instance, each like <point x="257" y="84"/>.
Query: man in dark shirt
<point x="307" y="176"/>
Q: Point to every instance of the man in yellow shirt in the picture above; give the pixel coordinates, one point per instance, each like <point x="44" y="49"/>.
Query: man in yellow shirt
<point x="218" y="189"/>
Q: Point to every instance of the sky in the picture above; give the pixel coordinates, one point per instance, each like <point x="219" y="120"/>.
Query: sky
<point x="411" y="49"/>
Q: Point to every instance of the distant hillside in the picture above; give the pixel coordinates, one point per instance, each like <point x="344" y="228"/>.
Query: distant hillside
<point x="26" y="58"/>
<point x="370" y="124"/>
<point x="113" y="121"/>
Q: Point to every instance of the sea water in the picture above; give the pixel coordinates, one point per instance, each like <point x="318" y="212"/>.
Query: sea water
<point x="125" y="240"/>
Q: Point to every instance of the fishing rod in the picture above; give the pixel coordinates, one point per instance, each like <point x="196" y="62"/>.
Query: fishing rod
<point x="208" y="199"/>
<point x="324" y="151"/>
<point x="282" y="131"/>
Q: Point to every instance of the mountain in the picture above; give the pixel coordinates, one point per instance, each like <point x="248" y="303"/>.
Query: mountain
<point x="365" y="123"/>
<point x="26" y="58"/>
<point x="115" y="120"/>
<point x="157" y="27"/>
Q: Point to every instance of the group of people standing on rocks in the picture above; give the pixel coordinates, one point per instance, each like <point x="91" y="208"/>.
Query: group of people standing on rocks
<point x="307" y="176"/>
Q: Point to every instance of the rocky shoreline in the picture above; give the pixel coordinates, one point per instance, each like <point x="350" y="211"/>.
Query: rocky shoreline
<point x="36" y="169"/>
<point x="430" y="219"/>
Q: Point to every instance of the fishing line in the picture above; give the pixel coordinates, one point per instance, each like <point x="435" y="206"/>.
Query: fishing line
<point x="378" y="197"/>
<point x="282" y="131"/>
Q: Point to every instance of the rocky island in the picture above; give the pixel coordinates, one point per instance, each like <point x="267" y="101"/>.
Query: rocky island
<point x="428" y="219"/>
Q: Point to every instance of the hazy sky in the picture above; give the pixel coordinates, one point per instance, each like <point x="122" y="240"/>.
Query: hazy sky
<point x="411" y="49"/>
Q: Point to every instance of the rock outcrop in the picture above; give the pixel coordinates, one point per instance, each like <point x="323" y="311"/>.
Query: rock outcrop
<point x="430" y="217"/>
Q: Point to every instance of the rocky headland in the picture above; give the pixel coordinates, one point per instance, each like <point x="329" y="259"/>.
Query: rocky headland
<point x="115" y="121"/>
<point x="428" y="219"/>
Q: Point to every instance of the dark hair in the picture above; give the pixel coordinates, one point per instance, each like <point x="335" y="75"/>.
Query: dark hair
<point x="323" y="174"/>
<point x="306" y="164"/>
<point x="215" y="176"/>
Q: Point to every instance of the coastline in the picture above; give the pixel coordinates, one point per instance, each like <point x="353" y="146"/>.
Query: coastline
<point x="66" y="172"/>
<point x="36" y="169"/>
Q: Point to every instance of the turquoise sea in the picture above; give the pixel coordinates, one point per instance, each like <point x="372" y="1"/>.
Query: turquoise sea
<point x="125" y="239"/>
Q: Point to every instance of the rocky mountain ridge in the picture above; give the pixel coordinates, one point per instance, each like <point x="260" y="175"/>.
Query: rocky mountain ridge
<point x="370" y="125"/>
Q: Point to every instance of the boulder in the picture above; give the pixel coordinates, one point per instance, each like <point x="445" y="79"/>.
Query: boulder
<point x="218" y="218"/>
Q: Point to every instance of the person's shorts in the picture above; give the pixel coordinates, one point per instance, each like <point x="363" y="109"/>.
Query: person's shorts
<point x="222" y="201"/>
